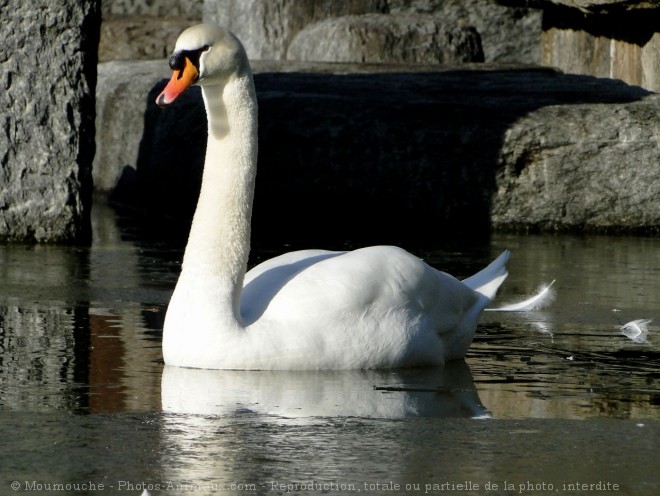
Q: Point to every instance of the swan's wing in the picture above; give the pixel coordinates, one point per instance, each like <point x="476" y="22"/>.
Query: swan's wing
<point x="265" y="280"/>
<point x="373" y="307"/>
<point x="291" y="259"/>
<point x="369" y="281"/>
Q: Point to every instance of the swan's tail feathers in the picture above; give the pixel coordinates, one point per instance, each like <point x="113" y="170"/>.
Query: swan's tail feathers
<point x="543" y="297"/>
<point x="487" y="281"/>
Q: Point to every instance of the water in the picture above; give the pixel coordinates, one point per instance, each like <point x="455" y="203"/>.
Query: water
<point x="544" y="403"/>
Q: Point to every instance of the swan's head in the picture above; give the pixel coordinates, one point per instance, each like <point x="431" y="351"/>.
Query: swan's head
<point x="204" y="54"/>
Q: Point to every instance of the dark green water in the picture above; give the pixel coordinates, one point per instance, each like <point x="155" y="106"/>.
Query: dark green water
<point x="555" y="401"/>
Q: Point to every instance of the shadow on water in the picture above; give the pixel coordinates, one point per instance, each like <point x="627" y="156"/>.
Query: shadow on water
<point x="374" y="158"/>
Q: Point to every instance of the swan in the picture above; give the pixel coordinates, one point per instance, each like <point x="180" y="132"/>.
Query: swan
<point x="371" y="308"/>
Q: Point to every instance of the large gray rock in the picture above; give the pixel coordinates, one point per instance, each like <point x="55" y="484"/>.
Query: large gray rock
<point x="48" y="72"/>
<point x="388" y="153"/>
<point x="582" y="167"/>
<point x="121" y="103"/>
<point x="508" y="34"/>
<point x="267" y="27"/>
<point x="384" y="38"/>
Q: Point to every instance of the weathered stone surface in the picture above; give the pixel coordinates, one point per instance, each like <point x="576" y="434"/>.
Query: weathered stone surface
<point x="268" y="27"/>
<point x="139" y="37"/>
<point x="121" y="104"/>
<point x="384" y="38"/>
<point x="48" y="73"/>
<point x="582" y="167"/>
<point x="605" y="38"/>
<point x="621" y="45"/>
<point x="380" y="155"/>
<point x="508" y="34"/>
<point x="191" y="9"/>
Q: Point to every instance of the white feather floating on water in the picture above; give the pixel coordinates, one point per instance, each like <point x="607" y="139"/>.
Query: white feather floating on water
<point x="543" y="297"/>
<point x="636" y="330"/>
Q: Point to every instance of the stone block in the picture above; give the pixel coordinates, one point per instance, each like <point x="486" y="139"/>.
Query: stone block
<point x="582" y="167"/>
<point x="605" y="38"/>
<point x="378" y="153"/>
<point x="139" y="37"/>
<point x="384" y="38"/>
<point x="268" y="27"/>
<point x="48" y="73"/>
<point x="621" y="45"/>
<point x="508" y="34"/>
<point x="191" y="9"/>
<point x="121" y="105"/>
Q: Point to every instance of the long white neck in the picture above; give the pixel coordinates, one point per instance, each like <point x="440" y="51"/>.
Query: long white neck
<point x="219" y="241"/>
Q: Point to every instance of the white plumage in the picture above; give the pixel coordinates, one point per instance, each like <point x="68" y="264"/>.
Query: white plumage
<point x="376" y="307"/>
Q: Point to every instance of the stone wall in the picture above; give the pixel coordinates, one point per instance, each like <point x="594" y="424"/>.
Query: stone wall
<point x="47" y="82"/>
<point x="605" y="38"/>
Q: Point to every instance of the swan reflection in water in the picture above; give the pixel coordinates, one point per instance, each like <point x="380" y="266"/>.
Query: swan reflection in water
<point x="428" y="392"/>
<point x="222" y="427"/>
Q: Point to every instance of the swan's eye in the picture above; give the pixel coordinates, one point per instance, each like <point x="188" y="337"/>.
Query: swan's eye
<point x="178" y="59"/>
<point x="194" y="55"/>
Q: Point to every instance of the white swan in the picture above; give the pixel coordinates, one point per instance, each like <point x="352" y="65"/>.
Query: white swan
<point x="377" y="307"/>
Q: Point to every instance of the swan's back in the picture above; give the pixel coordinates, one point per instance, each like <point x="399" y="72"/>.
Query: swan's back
<point x="376" y="307"/>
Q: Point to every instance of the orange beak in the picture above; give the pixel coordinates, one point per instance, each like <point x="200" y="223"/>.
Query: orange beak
<point x="181" y="80"/>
